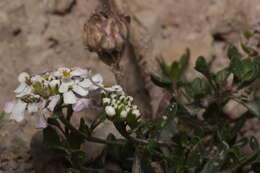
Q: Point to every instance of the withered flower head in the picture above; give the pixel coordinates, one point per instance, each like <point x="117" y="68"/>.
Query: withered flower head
<point x="106" y="34"/>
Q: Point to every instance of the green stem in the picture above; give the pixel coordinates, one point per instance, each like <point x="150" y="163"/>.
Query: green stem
<point x="68" y="118"/>
<point x="89" y="138"/>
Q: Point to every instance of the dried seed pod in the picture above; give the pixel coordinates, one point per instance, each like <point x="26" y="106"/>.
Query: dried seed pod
<point x="106" y="34"/>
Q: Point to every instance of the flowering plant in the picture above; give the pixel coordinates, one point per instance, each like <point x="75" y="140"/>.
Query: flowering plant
<point x="192" y="133"/>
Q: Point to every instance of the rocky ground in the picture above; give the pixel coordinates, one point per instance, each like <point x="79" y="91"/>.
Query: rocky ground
<point x="40" y="35"/>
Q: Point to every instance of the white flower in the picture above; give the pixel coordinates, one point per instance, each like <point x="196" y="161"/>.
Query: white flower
<point x="68" y="88"/>
<point x="130" y="98"/>
<point x="32" y="107"/>
<point x="106" y="100"/>
<point x="69" y="98"/>
<point x="42" y="120"/>
<point x="110" y="111"/>
<point x="94" y="83"/>
<point x="23" y="88"/>
<point x="164" y="117"/>
<point x="77" y="71"/>
<point x="123" y="114"/>
<point x="23" y="77"/>
<point x="37" y="78"/>
<point x="54" y="83"/>
<point x="53" y="102"/>
<point x="136" y="112"/>
<point x="16" y="109"/>
<point x="64" y="72"/>
<point x="116" y="88"/>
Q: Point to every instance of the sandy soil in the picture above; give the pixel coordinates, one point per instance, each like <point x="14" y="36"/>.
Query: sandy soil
<point x="40" y="35"/>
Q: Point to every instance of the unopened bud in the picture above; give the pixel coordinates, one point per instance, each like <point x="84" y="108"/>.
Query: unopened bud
<point x="106" y="34"/>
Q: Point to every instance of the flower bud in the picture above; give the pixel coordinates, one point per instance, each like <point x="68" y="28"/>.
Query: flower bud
<point x="106" y="34"/>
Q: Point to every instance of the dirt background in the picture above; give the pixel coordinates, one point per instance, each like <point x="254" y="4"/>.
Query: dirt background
<point x="36" y="35"/>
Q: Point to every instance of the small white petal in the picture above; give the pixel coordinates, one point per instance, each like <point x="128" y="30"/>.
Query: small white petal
<point x="32" y="107"/>
<point x="106" y="100"/>
<point x="97" y="78"/>
<point x="42" y="104"/>
<point x="79" y="90"/>
<point x="110" y="111"/>
<point x="69" y="98"/>
<point x="136" y="112"/>
<point x="9" y="106"/>
<point x="123" y="114"/>
<point x="164" y="117"/>
<point x="42" y="121"/>
<point x="23" y="77"/>
<point x="86" y="83"/>
<point x="54" y="83"/>
<point x="57" y="73"/>
<point x="20" y="88"/>
<point x="64" y="87"/>
<point x="27" y="91"/>
<point x="18" y="111"/>
<point x="37" y="78"/>
<point x="54" y="100"/>
<point x="78" y="72"/>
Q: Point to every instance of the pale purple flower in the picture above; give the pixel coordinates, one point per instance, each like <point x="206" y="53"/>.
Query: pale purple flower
<point x="16" y="109"/>
<point x="43" y="123"/>
<point x="83" y="103"/>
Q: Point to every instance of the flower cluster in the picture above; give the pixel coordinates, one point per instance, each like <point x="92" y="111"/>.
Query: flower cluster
<point x="118" y="105"/>
<point x="64" y="86"/>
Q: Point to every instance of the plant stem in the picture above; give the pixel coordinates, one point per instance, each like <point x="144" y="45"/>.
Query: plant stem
<point x="89" y="138"/>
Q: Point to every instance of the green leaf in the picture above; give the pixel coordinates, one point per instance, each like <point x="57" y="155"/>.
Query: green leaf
<point x="51" y="137"/>
<point x="254" y="145"/>
<point x="248" y="34"/>
<point x="245" y="71"/>
<point x="83" y="127"/>
<point x="257" y="60"/>
<point x="165" y="68"/>
<point x="177" y="68"/>
<point x="233" y="53"/>
<point x="249" y="70"/>
<point x="202" y="66"/>
<point x="175" y="72"/>
<point x="221" y="77"/>
<point x="161" y="82"/>
<point x="198" y="88"/>
<point x="236" y="67"/>
<point x="184" y="61"/>
<point x="253" y="107"/>
<point x="246" y="49"/>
